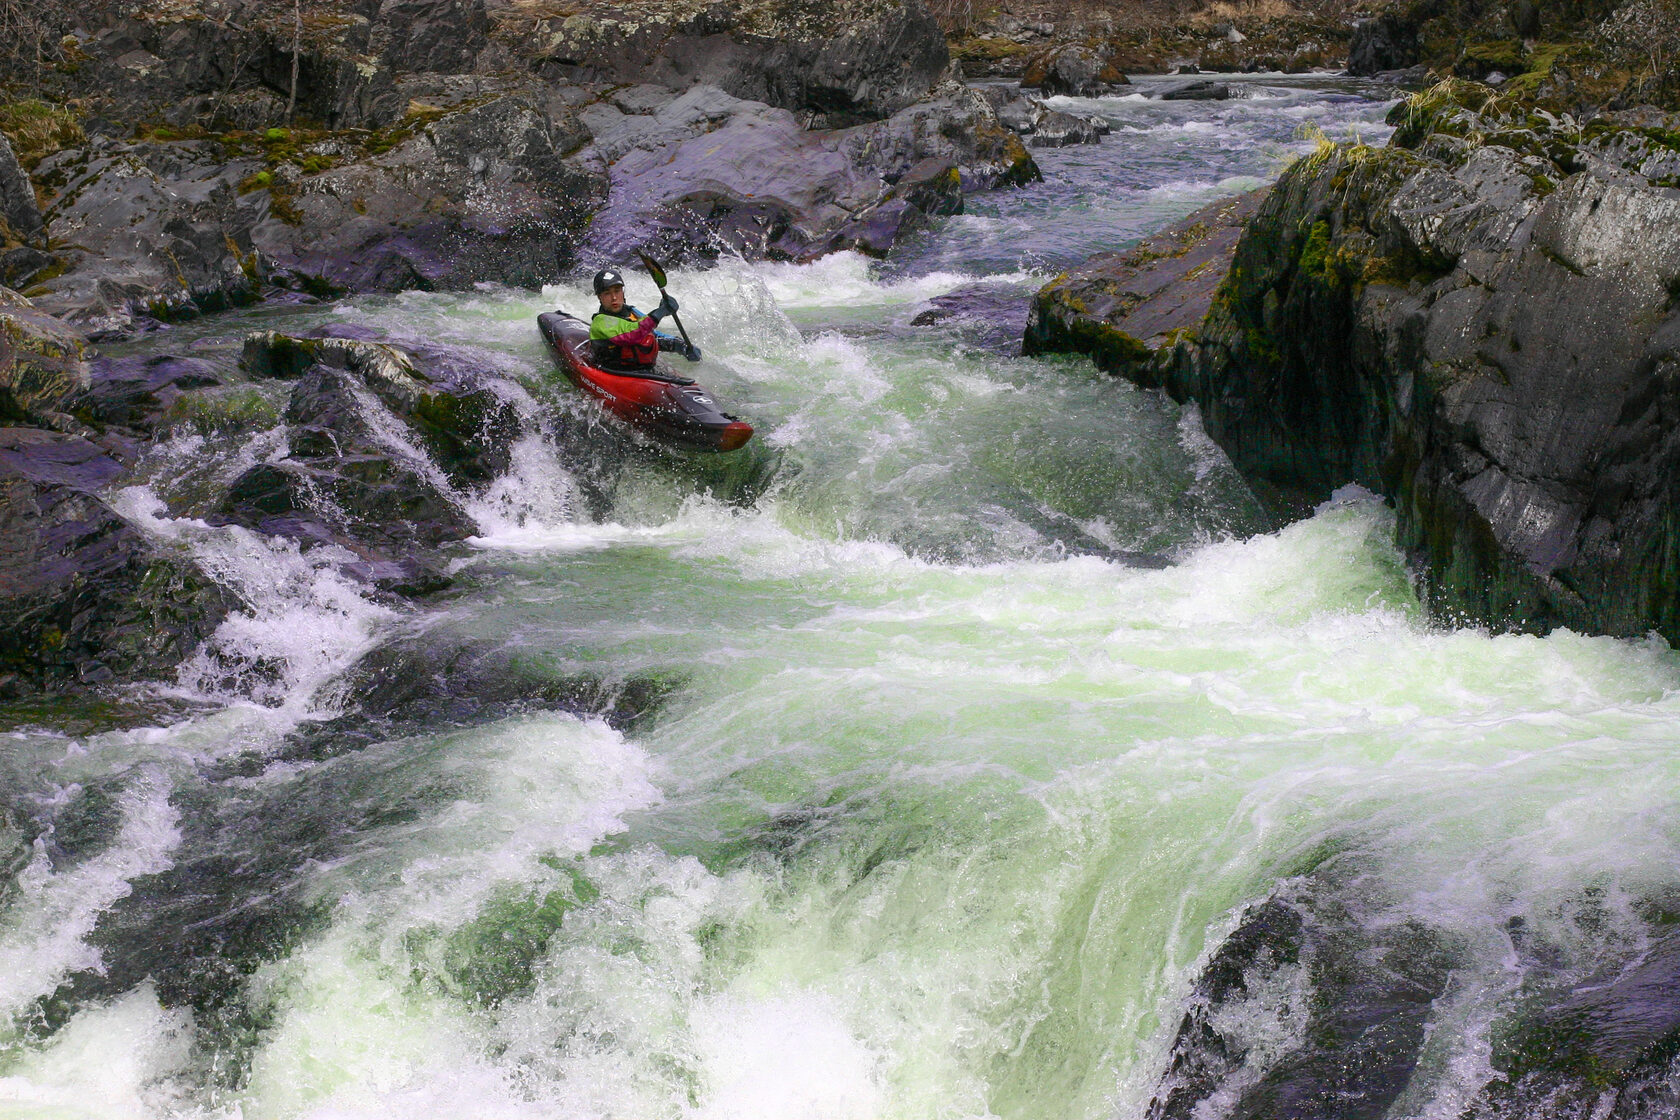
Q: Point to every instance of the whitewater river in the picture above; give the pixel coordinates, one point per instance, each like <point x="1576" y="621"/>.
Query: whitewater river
<point x="938" y="800"/>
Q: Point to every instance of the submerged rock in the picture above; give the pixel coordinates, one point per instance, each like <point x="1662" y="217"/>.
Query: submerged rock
<point x="1304" y="1012"/>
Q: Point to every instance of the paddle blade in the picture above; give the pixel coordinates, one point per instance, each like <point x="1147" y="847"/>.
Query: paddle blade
<point x="654" y="270"/>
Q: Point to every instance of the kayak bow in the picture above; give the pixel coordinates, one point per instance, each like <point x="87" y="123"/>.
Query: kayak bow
<point x="669" y="407"/>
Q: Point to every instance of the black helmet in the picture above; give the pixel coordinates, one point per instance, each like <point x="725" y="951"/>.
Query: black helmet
<point x="607" y="278"/>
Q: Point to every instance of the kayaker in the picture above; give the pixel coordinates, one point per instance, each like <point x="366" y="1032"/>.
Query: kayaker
<point x="623" y="337"/>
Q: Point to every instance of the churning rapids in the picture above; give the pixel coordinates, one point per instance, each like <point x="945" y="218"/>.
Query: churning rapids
<point x="921" y="796"/>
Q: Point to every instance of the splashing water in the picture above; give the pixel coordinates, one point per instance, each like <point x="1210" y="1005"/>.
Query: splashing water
<point x="941" y="805"/>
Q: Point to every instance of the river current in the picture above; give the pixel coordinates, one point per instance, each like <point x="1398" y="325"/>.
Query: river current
<point x="938" y="803"/>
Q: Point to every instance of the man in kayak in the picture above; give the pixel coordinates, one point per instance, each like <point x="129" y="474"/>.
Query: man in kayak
<point x="623" y="337"/>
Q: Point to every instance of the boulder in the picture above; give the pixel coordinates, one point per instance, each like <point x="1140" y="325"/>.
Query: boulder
<point x="20" y="215"/>
<point x="1119" y="308"/>
<point x="1479" y="322"/>
<point x="84" y="597"/>
<point x="382" y="443"/>
<point x="440" y="395"/>
<point x="42" y="362"/>
<point x="1026" y="114"/>
<point x="1199" y="89"/>
<point x="833" y="64"/>
<point x="139" y="393"/>
<point x="484" y="192"/>
<point x="1602" y="1047"/>
<point x="1363" y="1017"/>
<point x="153" y="231"/>
<point x="1073" y="71"/>
<point x="708" y="173"/>
<point x="1057" y="129"/>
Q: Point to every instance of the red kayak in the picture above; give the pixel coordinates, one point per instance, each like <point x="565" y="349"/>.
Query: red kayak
<point x="671" y="408"/>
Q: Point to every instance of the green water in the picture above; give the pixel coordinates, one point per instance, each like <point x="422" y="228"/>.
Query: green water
<point x="944" y="808"/>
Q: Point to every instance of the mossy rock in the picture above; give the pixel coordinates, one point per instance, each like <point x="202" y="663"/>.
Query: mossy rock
<point x="1481" y="59"/>
<point x="42" y="361"/>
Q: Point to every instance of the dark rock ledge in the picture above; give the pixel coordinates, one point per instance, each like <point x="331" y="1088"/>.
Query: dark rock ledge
<point x="1479" y="321"/>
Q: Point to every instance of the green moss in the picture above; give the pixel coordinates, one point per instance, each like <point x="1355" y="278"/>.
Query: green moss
<point x="220" y="411"/>
<point x="38" y="129"/>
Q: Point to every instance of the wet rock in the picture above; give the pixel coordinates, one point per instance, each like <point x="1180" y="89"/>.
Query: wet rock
<point x="433" y="679"/>
<point x="485" y="192"/>
<point x="442" y="396"/>
<point x="42" y="362"/>
<point x="709" y="173"/>
<point x="1073" y="71"/>
<point x="1601" y="1048"/>
<point x="1198" y="90"/>
<point x="84" y="597"/>
<point x="1479" y="322"/>
<point x="1057" y="129"/>
<point x="1027" y="115"/>
<point x="932" y="187"/>
<point x="992" y="316"/>
<point x="1344" y="1008"/>
<point x="20" y="215"/>
<point x="834" y="65"/>
<point x="1119" y="308"/>
<point x="138" y="393"/>
<point x="382" y="445"/>
<point x="153" y="232"/>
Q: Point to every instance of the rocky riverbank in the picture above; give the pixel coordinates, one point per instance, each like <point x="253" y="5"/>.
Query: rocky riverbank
<point x="1477" y="321"/>
<point x="440" y="143"/>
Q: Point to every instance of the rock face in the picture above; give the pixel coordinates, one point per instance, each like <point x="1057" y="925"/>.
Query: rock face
<point x="1027" y="115"/>
<point x="482" y="193"/>
<point x="1480" y="322"/>
<point x="20" y="216"/>
<point x="707" y="172"/>
<point x="833" y="64"/>
<point x="1383" y="43"/>
<point x="1121" y="307"/>
<point x="41" y="362"/>
<point x="155" y="232"/>
<point x="84" y="598"/>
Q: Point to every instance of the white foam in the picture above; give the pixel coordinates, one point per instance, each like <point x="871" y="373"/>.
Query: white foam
<point x="111" y="1062"/>
<point x="42" y="938"/>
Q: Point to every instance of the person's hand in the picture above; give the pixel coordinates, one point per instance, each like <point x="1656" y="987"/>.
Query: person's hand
<point x="692" y="353"/>
<point x="667" y="306"/>
<point x="668" y="302"/>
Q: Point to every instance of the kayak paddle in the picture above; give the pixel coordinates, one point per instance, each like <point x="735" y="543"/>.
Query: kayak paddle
<point x="658" y="275"/>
